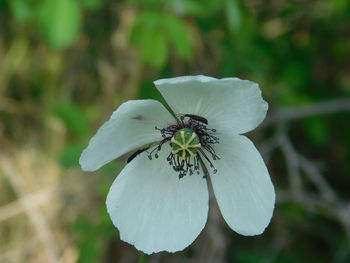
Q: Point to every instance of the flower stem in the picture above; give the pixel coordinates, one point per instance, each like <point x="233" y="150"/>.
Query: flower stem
<point x="142" y="258"/>
<point x="204" y="168"/>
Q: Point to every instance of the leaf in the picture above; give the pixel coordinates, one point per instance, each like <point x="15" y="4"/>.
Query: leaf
<point x="69" y="157"/>
<point x="293" y="212"/>
<point x="151" y="41"/>
<point x="192" y="7"/>
<point x="147" y="4"/>
<point x="200" y="8"/>
<point x="93" y="4"/>
<point x="153" y="33"/>
<point x="73" y="118"/>
<point x="317" y="130"/>
<point x="178" y="34"/>
<point x="143" y="24"/>
<point x="233" y="15"/>
<point x="155" y="49"/>
<point x="20" y="10"/>
<point x="340" y="6"/>
<point x="58" y="21"/>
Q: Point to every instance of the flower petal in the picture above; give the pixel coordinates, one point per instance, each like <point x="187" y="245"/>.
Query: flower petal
<point x="229" y="104"/>
<point x="131" y="126"/>
<point x="155" y="210"/>
<point x="242" y="185"/>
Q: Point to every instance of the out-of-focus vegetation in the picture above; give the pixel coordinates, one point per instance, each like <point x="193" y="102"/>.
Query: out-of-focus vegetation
<point x="65" y="65"/>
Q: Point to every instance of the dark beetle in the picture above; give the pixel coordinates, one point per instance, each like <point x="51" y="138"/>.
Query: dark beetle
<point x="197" y="118"/>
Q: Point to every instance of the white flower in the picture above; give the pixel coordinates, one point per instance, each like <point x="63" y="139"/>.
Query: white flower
<point x="159" y="201"/>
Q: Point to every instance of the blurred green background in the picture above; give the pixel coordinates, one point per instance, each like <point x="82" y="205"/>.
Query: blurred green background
<point x="65" y="65"/>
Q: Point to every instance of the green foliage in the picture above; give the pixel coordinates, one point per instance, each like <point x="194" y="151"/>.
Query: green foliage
<point x="340" y="6"/>
<point x="233" y="14"/>
<point x="73" y="118"/>
<point x="69" y="157"/>
<point x="201" y="8"/>
<point x="58" y="21"/>
<point x="91" y="235"/>
<point x="90" y="249"/>
<point x="178" y="35"/>
<point x="142" y="258"/>
<point x="156" y="34"/>
<point x="317" y="131"/>
<point x="21" y="10"/>
<point x="293" y="212"/>
<point x="77" y="126"/>
<point x="93" y="4"/>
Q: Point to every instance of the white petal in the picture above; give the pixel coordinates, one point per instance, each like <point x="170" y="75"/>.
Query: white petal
<point x="131" y="126"/>
<point x="228" y="104"/>
<point x="242" y="185"/>
<point x="155" y="210"/>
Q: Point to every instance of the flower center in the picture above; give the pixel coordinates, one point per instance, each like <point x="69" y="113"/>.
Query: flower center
<point x="191" y="143"/>
<point x="185" y="143"/>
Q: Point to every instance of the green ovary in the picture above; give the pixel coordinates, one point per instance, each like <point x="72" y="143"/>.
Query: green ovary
<point x="185" y="143"/>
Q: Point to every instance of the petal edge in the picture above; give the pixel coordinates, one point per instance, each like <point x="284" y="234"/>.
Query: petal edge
<point x="242" y="186"/>
<point x="229" y="104"/>
<point x="153" y="209"/>
<point x="131" y="126"/>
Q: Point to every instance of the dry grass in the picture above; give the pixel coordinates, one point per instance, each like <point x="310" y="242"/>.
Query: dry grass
<point x="39" y="200"/>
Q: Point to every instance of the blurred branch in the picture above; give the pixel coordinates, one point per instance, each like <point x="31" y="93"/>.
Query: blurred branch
<point x="310" y="202"/>
<point x="12" y="254"/>
<point x="300" y="112"/>
<point x="325" y="200"/>
<point x="313" y="173"/>
<point x="16" y="207"/>
<point x="267" y="147"/>
<point x="35" y="215"/>
<point x="292" y="160"/>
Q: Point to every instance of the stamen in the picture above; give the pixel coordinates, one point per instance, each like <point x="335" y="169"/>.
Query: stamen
<point x="210" y="163"/>
<point x="190" y="139"/>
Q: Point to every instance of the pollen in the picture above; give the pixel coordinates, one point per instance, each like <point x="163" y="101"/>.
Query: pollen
<point x="185" y="143"/>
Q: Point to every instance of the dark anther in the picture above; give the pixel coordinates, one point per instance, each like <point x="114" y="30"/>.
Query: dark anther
<point x="135" y="154"/>
<point x="191" y="164"/>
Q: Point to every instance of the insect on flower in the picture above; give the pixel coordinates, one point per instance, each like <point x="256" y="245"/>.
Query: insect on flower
<point x="159" y="201"/>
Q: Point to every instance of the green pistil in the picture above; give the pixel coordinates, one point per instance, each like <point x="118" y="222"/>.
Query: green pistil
<point x="185" y="143"/>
